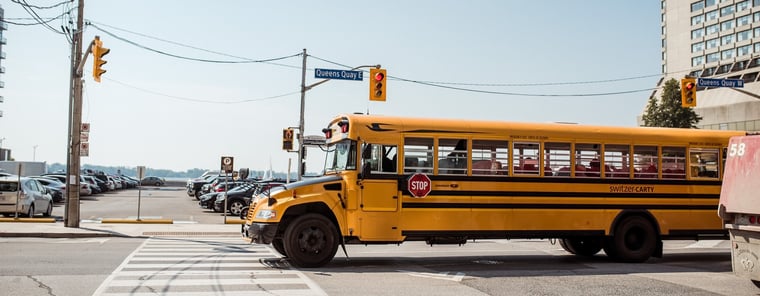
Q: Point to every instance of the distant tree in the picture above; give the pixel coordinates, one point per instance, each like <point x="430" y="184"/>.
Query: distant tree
<point x="668" y="112"/>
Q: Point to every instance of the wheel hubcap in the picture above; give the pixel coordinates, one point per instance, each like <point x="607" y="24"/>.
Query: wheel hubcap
<point x="311" y="240"/>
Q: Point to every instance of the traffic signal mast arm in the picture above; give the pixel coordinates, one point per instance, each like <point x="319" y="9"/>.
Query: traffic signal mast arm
<point x="84" y="58"/>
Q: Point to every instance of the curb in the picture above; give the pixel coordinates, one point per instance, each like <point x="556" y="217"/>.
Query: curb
<point x="29" y="220"/>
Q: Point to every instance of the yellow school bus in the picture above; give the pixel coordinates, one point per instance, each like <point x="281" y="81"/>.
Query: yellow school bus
<point x="392" y="179"/>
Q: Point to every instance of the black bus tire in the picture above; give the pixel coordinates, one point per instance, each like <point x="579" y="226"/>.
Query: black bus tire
<point x="635" y="240"/>
<point x="279" y="247"/>
<point x="311" y="241"/>
<point x="584" y="246"/>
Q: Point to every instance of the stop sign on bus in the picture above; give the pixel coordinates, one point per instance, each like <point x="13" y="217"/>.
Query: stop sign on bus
<point x="419" y="185"/>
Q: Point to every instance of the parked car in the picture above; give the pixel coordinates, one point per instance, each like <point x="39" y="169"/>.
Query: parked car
<point x="93" y="184"/>
<point x="25" y="196"/>
<point x="84" y="187"/>
<point x="57" y="189"/>
<point x="152" y="180"/>
<point x="236" y="198"/>
<point x="207" y="200"/>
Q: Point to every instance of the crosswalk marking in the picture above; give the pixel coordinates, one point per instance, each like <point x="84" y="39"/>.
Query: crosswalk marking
<point x="203" y="266"/>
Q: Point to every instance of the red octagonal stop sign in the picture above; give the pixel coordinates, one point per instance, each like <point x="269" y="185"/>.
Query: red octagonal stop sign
<point x="419" y="185"/>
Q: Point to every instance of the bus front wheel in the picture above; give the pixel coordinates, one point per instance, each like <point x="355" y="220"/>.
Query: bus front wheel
<point x="635" y="240"/>
<point x="310" y="241"/>
<point x="279" y="247"/>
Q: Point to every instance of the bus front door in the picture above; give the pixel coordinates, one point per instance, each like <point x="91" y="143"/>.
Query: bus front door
<point x="379" y="205"/>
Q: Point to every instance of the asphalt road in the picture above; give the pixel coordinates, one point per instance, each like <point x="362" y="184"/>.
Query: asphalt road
<point x="487" y="267"/>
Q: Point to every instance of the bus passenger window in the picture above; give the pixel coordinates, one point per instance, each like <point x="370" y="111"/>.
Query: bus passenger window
<point x="452" y="156"/>
<point x="616" y="161"/>
<point x="645" y="159"/>
<point x="673" y="162"/>
<point x="703" y="162"/>
<point x="587" y="160"/>
<point x="557" y="159"/>
<point x="525" y="156"/>
<point x="488" y="157"/>
<point x="418" y="155"/>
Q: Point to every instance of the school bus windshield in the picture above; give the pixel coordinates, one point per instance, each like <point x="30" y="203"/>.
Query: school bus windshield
<point x="341" y="156"/>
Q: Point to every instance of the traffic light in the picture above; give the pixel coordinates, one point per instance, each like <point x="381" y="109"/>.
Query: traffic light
<point x="688" y="92"/>
<point x="287" y="139"/>
<point x="377" y="85"/>
<point x="98" y="51"/>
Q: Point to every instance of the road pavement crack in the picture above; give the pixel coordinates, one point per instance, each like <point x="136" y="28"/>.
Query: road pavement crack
<point x="42" y="285"/>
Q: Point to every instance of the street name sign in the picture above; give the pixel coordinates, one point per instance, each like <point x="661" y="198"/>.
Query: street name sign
<point x="715" y="82"/>
<point x="338" y="74"/>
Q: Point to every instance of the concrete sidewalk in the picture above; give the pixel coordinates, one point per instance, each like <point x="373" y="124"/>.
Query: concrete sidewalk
<point x="95" y="229"/>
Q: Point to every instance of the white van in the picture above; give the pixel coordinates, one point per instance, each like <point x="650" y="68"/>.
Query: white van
<point x="25" y="196"/>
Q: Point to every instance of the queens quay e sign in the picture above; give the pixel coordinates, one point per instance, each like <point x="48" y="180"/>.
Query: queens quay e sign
<point x="338" y="74"/>
<point x="713" y="82"/>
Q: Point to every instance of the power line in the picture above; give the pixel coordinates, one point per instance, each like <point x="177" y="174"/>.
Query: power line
<point x="39" y="7"/>
<point x="228" y="102"/>
<point x="29" y="9"/>
<point x="446" y="85"/>
<point x="242" y="61"/>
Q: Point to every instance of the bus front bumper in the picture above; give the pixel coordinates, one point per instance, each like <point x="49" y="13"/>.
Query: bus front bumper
<point x="259" y="233"/>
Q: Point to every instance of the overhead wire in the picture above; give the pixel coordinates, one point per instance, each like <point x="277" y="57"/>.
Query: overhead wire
<point x="30" y="10"/>
<point x="438" y="84"/>
<point x="40" y="7"/>
<point x="240" y="61"/>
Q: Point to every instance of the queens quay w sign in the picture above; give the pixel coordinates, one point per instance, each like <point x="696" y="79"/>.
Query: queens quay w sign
<point x="338" y="74"/>
<point x="713" y="82"/>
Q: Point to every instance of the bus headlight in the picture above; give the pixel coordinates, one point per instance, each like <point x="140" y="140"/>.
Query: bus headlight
<point x="266" y="214"/>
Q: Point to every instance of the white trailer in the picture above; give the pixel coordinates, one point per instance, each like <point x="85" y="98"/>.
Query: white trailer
<point x="739" y="205"/>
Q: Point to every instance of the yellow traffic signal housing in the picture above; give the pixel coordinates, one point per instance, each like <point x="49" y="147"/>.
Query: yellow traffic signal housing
<point x="287" y="139"/>
<point x="98" y="51"/>
<point x="377" y="85"/>
<point x="688" y="92"/>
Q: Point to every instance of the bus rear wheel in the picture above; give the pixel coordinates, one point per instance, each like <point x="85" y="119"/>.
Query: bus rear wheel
<point x="587" y="246"/>
<point x="310" y="241"/>
<point x="635" y="240"/>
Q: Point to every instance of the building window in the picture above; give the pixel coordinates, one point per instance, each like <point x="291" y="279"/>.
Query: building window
<point x="727" y="54"/>
<point x="757" y="47"/>
<point x="709" y="30"/>
<point x="698" y="33"/>
<point x="696" y="6"/>
<point x="757" y="32"/>
<point x="727" y="11"/>
<point x="743" y="35"/>
<point x="756" y="16"/>
<point x="727" y="25"/>
<point x="696" y="61"/>
<point x="744" y="50"/>
<point x="697" y="19"/>
<point x="713" y="57"/>
<point x="709" y="3"/>
<point x="663" y="30"/>
<point x="708" y="72"/>
<point x="696" y="47"/>
<point x="742" y="5"/>
<point x="712" y="43"/>
<point x="664" y="55"/>
<point x="756" y="3"/>
<point x="711" y="15"/>
<point x="743" y="21"/>
<point x="728" y="39"/>
<point x="663" y="43"/>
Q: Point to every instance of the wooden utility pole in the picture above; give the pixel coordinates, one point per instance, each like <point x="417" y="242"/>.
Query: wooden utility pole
<point x="71" y="217"/>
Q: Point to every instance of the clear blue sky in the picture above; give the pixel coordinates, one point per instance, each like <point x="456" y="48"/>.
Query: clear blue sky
<point x="169" y="113"/>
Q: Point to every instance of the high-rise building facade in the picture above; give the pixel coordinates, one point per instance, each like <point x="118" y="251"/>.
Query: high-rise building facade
<point x="715" y="39"/>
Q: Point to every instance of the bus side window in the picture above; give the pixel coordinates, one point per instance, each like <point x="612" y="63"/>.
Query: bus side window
<point x="645" y="160"/>
<point x="452" y="156"/>
<point x="418" y="155"/>
<point x="703" y="162"/>
<point x="488" y="157"/>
